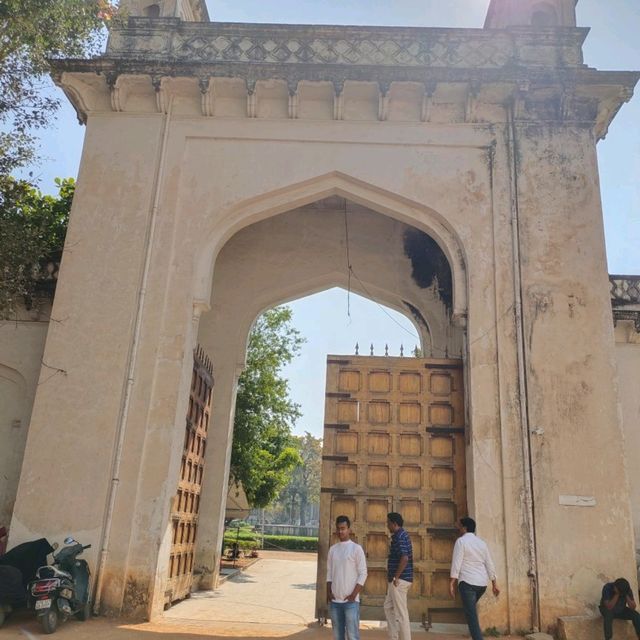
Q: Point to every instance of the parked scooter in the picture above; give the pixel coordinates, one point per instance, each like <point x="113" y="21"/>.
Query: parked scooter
<point x="61" y="590"/>
<point x="17" y="569"/>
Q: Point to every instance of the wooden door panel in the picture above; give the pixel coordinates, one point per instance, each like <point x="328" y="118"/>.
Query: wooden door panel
<point x="186" y="504"/>
<point x="394" y="441"/>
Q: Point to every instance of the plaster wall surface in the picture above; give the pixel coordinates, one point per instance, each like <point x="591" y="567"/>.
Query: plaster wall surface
<point x="628" y="361"/>
<point x="571" y="372"/>
<point x="82" y="407"/>
<point x="21" y="346"/>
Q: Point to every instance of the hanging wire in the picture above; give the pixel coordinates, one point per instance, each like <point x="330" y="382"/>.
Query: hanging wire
<point x="351" y="272"/>
<point x="373" y="299"/>
<point x="348" y="256"/>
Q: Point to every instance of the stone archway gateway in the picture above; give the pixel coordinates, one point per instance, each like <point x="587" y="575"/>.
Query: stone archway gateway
<point x="219" y="162"/>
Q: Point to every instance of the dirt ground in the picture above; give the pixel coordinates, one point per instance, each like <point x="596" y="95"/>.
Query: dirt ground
<point x="273" y="598"/>
<point x="24" y="626"/>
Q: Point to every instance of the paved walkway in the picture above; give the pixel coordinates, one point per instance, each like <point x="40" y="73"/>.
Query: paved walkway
<point x="274" y="598"/>
<point x="279" y="589"/>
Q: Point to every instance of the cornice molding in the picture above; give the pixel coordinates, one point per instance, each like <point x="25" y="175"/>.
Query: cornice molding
<point x="580" y="96"/>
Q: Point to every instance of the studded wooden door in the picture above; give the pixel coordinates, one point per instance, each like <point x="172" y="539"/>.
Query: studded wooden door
<point x="394" y="441"/>
<point x="186" y="503"/>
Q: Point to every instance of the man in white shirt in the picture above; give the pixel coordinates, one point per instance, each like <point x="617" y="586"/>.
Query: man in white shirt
<point x="346" y="575"/>
<point x="472" y="568"/>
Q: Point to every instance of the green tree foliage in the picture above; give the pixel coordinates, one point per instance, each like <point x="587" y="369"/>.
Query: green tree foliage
<point x="304" y="487"/>
<point x="32" y="227"/>
<point x="32" y="32"/>
<point x="264" y="451"/>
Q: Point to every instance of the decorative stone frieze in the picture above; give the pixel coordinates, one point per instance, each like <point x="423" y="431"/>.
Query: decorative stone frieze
<point x="170" y="39"/>
<point x="625" y="290"/>
<point x="625" y="299"/>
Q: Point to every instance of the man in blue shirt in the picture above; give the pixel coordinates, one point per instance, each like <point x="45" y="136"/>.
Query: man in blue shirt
<point x="617" y="603"/>
<point x="400" y="577"/>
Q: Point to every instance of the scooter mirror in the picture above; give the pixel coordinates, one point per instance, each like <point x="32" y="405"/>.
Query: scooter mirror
<point x="69" y="540"/>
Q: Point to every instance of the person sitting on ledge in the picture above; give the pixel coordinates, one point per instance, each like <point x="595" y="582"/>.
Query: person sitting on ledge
<point x="617" y="603"/>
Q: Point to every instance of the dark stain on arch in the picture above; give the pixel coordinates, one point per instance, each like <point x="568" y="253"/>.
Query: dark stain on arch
<point x="417" y="315"/>
<point x="429" y="264"/>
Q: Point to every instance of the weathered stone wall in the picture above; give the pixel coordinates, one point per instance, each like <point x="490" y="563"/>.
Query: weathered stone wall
<point x="627" y="352"/>
<point x="21" y="347"/>
<point x="576" y="433"/>
<point x="77" y="414"/>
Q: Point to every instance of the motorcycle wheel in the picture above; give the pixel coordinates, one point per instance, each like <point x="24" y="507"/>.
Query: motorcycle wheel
<point x="49" y="620"/>
<point x="85" y="613"/>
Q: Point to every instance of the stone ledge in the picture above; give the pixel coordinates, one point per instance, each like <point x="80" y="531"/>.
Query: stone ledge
<point x="590" y="628"/>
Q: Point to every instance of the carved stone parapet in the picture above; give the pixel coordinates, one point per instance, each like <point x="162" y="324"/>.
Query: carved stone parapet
<point x="624" y="290"/>
<point x="625" y="299"/>
<point x="171" y="39"/>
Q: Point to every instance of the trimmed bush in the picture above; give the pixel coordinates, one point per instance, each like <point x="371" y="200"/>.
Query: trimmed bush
<point x="250" y="540"/>
<point x="291" y="543"/>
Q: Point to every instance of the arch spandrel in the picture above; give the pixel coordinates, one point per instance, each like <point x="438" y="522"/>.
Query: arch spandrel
<point x="412" y="213"/>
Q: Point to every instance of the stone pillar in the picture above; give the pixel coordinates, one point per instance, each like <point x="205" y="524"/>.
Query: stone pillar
<point x="124" y="371"/>
<point x="77" y="409"/>
<point x="628" y="363"/>
<point x="187" y="10"/>
<point x="581" y="492"/>
<point x="531" y="13"/>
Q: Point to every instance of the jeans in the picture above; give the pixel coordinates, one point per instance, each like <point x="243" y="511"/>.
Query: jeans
<point x="626" y="614"/>
<point x="396" y="611"/>
<point x="470" y="594"/>
<point x="345" y="616"/>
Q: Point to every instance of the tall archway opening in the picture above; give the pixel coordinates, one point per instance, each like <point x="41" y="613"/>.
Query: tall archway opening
<point x="328" y="242"/>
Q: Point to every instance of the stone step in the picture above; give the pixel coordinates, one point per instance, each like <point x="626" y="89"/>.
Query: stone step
<point x="590" y="628"/>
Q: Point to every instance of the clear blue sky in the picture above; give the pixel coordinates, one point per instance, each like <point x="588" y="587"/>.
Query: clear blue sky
<point x="614" y="43"/>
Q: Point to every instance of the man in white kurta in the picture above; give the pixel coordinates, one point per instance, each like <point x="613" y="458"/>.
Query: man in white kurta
<point x="346" y="575"/>
<point x="471" y="568"/>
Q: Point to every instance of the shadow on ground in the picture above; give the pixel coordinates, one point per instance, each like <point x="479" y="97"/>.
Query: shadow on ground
<point x="23" y="625"/>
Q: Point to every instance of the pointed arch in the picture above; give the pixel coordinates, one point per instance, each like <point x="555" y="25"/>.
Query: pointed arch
<point x="228" y="222"/>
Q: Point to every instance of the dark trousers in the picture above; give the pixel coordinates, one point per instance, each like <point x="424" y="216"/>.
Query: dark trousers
<point x="470" y="594"/>
<point x="626" y="614"/>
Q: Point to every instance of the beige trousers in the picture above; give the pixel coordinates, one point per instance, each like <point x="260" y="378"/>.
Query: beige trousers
<point x="396" y="611"/>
